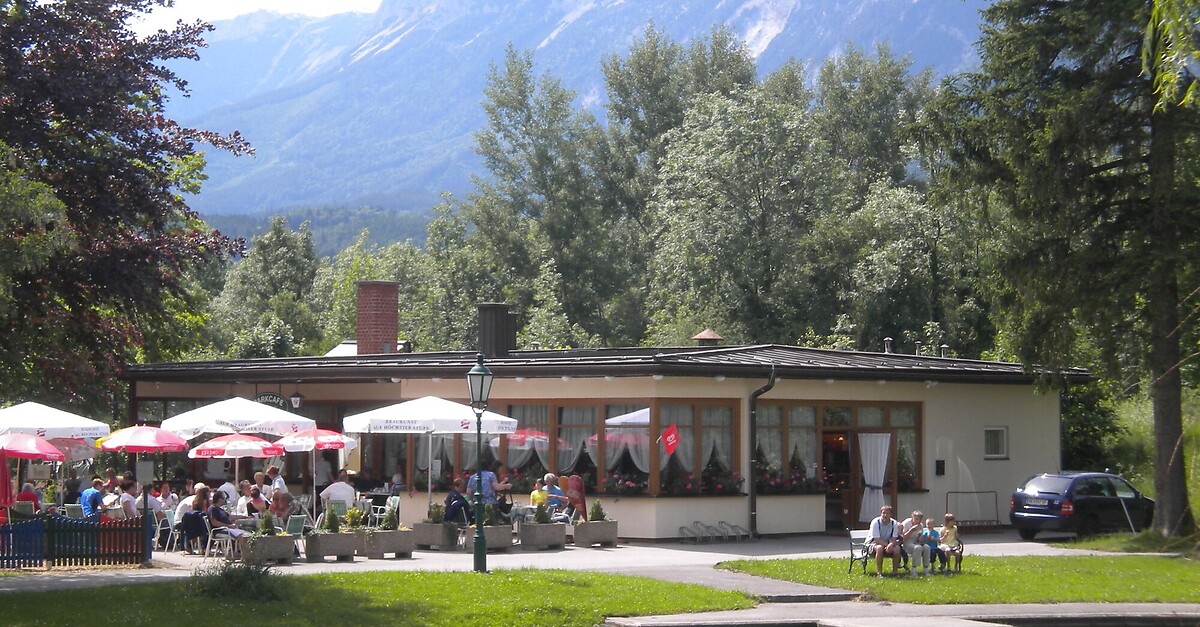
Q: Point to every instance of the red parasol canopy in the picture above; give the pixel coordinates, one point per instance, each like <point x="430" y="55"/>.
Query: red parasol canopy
<point x="236" y="445"/>
<point x="25" y="446"/>
<point x="7" y="496"/>
<point x="316" y="440"/>
<point x="144" y="439"/>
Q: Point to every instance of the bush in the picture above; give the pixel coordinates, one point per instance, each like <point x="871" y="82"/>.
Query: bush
<point x="541" y="516"/>
<point x="330" y="522"/>
<point x="391" y="520"/>
<point x="356" y="517"/>
<point x="596" y="513"/>
<point x="436" y="513"/>
<point x="266" y="524"/>
<point x="236" y="580"/>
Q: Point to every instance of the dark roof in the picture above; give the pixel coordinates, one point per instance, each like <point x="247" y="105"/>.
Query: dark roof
<point x="790" y="362"/>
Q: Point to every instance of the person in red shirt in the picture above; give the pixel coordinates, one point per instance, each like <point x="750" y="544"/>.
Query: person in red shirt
<point x="29" y="494"/>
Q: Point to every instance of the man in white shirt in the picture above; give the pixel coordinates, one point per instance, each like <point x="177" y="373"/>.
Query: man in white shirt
<point x="240" y="508"/>
<point x="276" y="479"/>
<point x="910" y="534"/>
<point x="230" y="490"/>
<point x="885" y="540"/>
<point x="339" y="490"/>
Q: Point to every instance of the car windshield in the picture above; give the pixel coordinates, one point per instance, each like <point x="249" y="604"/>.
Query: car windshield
<point x="1042" y="484"/>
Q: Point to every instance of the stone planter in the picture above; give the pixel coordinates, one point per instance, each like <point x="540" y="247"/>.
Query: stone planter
<point x="602" y="532"/>
<point x="270" y="549"/>
<point x="374" y="544"/>
<point x="535" y="537"/>
<point x="498" y="538"/>
<point x="318" y="546"/>
<point x="438" y="536"/>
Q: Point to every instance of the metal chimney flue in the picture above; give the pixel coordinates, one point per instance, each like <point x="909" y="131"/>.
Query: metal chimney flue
<point x="887" y="345"/>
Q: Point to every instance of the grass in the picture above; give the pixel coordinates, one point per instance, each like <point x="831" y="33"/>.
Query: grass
<point x="1145" y="542"/>
<point x="516" y="597"/>
<point x="1084" y="579"/>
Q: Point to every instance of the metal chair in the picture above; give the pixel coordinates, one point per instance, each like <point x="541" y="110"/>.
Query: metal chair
<point x="23" y="507"/>
<point x="295" y="529"/>
<point x="219" y="542"/>
<point x="378" y="512"/>
<point x="166" y="525"/>
<point x="74" y="510"/>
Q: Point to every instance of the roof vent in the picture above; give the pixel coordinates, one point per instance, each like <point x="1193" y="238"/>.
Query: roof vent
<point x="917" y="350"/>
<point x="707" y="337"/>
<point x="944" y="350"/>
<point x="887" y="345"/>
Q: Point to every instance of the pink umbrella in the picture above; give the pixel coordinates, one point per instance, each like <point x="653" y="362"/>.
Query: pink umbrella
<point x="144" y="439"/>
<point x="314" y="440"/>
<point x="22" y="446"/>
<point x="236" y="445"/>
<point x="75" y="449"/>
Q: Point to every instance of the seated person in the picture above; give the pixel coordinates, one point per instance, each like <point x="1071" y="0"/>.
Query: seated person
<point x="931" y="538"/>
<point x="223" y="522"/>
<point x="949" y="541"/>
<point x="910" y="535"/>
<point x="885" y="540"/>
<point x="556" y="500"/>
<point x="283" y="507"/>
<point x="27" y="493"/>
<point x="339" y="490"/>
<point x="457" y="506"/>
<point x="538" y="496"/>
<point x="92" y="499"/>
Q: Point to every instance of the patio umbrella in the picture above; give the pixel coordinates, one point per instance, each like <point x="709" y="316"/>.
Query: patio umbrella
<point x="143" y="439"/>
<point x="75" y="449"/>
<point x="235" y="446"/>
<point x="236" y="415"/>
<point x="22" y="446"/>
<point x="316" y="440"/>
<point x="48" y="422"/>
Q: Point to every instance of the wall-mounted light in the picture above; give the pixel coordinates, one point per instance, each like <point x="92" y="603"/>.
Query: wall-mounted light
<point x="519" y="379"/>
<point x="881" y="382"/>
<point x="437" y="379"/>
<point x="396" y="379"/>
<point x="610" y="378"/>
<point x="931" y="384"/>
<point x="658" y="377"/>
<point x="297" y="398"/>
<point x="828" y="381"/>
<point x="720" y="377"/>
<point x="566" y="377"/>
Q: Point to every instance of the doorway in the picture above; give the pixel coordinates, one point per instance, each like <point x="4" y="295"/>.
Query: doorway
<point x="840" y="479"/>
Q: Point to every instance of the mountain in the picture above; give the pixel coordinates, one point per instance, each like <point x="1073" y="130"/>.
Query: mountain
<point x="378" y="109"/>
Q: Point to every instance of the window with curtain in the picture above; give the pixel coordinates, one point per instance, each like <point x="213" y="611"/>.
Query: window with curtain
<point x="435" y="455"/>
<point x="768" y="471"/>
<point x="802" y="449"/>
<point x="529" y="447"/>
<point x="679" y="473"/>
<point x="716" y="449"/>
<point x="626" y="448"/>
<point x="575" y="426"/>
<point x="904" y="423"/>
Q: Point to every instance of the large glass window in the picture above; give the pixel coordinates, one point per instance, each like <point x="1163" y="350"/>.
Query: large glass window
<point x="575" y="426"/>
<point x="529" y="446"/>
<point x="787" y="450"/>
<point x="626" y="448"/>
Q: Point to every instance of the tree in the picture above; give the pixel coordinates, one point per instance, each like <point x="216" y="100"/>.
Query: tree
<point x="81" y="111"/>
<point x="1172" y="51"/>
<point x="1091" y="189"/>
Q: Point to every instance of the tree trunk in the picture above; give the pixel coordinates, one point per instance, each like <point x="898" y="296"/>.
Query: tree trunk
<point x="1173" y="514"/>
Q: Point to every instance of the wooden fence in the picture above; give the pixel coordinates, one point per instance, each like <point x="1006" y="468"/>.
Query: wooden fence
<point x="57" y="541"/>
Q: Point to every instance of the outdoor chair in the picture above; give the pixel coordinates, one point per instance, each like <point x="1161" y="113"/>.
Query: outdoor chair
<point x="295" y="529"/>
<point x="339" y="509"/>
<point x="219" y="542"/>
<point x="23" y="507"/>
<point x="166" y="525"/>
<point x="378" y="512"/>
<point x="74" y="510"/>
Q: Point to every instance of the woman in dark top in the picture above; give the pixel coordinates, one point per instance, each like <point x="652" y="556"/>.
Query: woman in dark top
<point x="456" y="504"/>
<point x="222" y="521"/>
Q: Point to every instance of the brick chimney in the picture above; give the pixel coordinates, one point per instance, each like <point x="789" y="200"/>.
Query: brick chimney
<point x="378" y="304"/>
<point x="497" y="330"/>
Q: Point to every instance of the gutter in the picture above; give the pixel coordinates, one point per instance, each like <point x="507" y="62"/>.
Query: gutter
<point x="754" y="449"/>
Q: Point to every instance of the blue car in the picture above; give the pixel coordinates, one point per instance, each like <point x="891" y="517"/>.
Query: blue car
<point x="1085" y="503"/>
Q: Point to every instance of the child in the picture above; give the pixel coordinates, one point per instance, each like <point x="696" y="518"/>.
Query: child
<point x="932" y="539"/>
<point x="949" y="539"/>
<point x="538" y="496"/>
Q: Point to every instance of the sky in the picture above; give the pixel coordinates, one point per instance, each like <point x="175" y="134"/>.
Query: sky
<point x="212" y="10"/>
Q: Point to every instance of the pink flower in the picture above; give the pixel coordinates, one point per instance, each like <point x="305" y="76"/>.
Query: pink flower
<point x="688" y="486"/>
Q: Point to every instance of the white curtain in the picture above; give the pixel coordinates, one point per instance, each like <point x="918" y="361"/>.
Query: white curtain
<point x="681" y="417"/>
<point x="770" y="435"/>
<point x="717" y="436"/>
<point x="441" y="444"/>
<point x="576" y="424"/>
<point x="873" y="450"/>
<point x="469" y="451"/>
<point x="534" y="419"/>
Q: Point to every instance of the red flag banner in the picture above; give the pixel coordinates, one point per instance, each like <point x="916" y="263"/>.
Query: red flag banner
<point x="670" y="439"/>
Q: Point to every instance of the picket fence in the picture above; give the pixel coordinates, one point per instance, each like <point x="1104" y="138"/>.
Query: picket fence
<point x="57" y="541"/>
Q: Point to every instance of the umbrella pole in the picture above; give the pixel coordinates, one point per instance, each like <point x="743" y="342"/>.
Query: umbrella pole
<point x="312" y="471"/>
<point x="429" y="470"/>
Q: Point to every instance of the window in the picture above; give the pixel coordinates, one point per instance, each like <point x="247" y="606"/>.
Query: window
<point x="995" y="442"/>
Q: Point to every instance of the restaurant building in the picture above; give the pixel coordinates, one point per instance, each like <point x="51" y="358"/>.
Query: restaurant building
<point x="775" y="438"/>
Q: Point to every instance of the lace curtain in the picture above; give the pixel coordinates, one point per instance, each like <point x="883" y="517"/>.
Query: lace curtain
<point x="770" y="435"/>
<point x="681" y="417"/>
<point x="532" y="419"/>
<point x="716" y="436"/>
<point x="442" y="446"/>
<point x="576" y="425"/>
<point x="617" y="440"/>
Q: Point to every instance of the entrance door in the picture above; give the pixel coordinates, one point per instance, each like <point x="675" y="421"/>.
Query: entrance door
<point x="841" y="479"/>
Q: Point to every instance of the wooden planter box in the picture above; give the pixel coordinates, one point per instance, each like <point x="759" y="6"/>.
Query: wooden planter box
<point x="535" y="537"/>
<point x="318" y="546"/>
<point x="272" y="549"/>
<point x="377" y="543"/>
<point x="435" y="536"/>
<point x="602" y="532"/>
<point x="498" y="538"/>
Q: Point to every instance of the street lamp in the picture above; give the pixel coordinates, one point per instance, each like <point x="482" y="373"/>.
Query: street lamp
<point x="479" y="379"/>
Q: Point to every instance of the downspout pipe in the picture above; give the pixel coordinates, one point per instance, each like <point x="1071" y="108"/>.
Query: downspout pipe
<point x="754" y="449"/>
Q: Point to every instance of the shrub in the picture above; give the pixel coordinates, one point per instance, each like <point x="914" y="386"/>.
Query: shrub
<point x="391" y="520"/>
<point x="596" y="513"/>
<point x="541" y="516"/>
<point x="236" y="580"/>
<point x="436" y="513"/>
<point x="356" y="517"/>
<point x="330" y="522"/>
<point x="266" y="524"/>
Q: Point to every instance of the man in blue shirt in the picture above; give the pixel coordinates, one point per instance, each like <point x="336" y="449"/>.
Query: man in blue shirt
<point x="555" y="498"/>
<point x="92" y="499"/>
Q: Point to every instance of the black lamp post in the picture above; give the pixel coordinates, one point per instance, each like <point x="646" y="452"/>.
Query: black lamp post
<point x="480" y="381"/>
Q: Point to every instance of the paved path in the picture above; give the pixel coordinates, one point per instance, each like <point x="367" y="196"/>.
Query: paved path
<point x="786" y="603"/>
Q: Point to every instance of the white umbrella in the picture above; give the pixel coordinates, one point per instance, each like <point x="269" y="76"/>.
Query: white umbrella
<point x="48" y="422"/>
<point x="236" y="415"/>
<point x="428" y="414"/>
<point x="314" y="440"/>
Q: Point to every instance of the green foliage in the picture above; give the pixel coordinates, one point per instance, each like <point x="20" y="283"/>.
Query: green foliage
<point x="1090" y="429"/>
<point x="266" y="524"/>
<point x="596" y="512"/>
<point x="330" y="522"/>
<point x="1003" y="580"/>
<point x="436" y="513"/>
<point x="391" y="519"/>
<point x="231" y="581"/>
<point x="541" y="515"/>
<point x="355" y="517"/>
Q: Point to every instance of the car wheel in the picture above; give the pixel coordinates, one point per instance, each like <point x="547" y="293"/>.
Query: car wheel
<point x="1027" y="534"/>
<point x="1089" y="526"/>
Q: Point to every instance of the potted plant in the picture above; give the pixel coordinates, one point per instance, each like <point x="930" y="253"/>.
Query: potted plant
<point x="597" y="529"/>
<point x="267" y="545"/>
<point x="435" y="532"/>
<point x="496" y="534"/>
<point x="541" y="533"/>
<point x="388" y="538"/>
<point x="327" y="539"/>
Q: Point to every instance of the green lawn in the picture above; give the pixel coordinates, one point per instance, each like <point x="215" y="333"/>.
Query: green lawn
<point x="504" y="597"/>
<point x="1088" y="579"/>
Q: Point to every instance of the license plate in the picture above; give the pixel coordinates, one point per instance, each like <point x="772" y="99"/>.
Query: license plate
<point x="1036" y="502"/>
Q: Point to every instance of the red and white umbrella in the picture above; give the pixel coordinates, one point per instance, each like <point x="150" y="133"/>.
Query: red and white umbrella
<point x="75" y="449"/>
<point x="235" y="445"/>
<point x="316" y="440"/>
<point x="143" y="439"/>
<point x="26" y="446"/>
